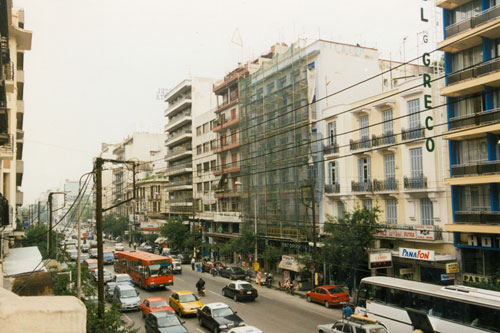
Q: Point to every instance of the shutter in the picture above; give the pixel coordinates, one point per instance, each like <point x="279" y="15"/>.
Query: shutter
<point x="368" y="169"/>
<point x="360" y="170"/>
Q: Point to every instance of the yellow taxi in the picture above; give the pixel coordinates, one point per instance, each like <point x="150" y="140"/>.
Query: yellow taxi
<point x="184" y="302"/>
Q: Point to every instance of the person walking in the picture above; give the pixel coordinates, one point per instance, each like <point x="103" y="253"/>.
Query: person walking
<point x="346" y="312"/>
<point x="193" y="261"/>
<point x="259" y="277"/>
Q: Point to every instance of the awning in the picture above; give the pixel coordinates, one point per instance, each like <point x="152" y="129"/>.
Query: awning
<point x="290" y="263"/>
<point x="160" y="240"/>
<point x="23" y="260"/>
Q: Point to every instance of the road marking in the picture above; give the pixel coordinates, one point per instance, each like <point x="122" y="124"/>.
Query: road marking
<point x="128" y="318"/>
<point x="213" y="292"/>
<point x="200" y="330"/>
<point x="178" y="278"/>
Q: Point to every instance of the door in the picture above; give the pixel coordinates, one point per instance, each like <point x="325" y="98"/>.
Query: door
<point x="233" y="114"/>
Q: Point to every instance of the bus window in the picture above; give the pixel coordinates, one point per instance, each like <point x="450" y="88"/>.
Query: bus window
<point x="165" y="270"/>
<point x="363" y="294"/>
<point x="483" y="317"/>
<point x="422" y="302"/>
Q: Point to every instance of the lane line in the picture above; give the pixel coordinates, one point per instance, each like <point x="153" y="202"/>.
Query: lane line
<point x="178" y="278"/>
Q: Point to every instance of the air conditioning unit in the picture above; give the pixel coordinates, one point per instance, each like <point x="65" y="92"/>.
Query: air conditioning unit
<point x="472" y="240"/>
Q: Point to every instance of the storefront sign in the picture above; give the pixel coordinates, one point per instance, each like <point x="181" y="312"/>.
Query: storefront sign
<point x="416" y="254"/>
<point x="403" y="271"/>
<point x="452" y="268"/>
<point x="425" y="232"/>
<point x="446" y="277"/>
<point x="382" y="259"/>
<point x="475" y="278"/>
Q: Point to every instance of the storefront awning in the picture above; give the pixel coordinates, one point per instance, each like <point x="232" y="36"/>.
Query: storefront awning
<point x="290" y="263"/>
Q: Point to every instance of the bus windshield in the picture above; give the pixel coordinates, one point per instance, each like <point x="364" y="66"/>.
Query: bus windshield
<point x="159" y="270"/>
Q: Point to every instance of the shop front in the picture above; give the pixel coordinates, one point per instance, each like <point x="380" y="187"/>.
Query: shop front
<point x="292" y="270"/>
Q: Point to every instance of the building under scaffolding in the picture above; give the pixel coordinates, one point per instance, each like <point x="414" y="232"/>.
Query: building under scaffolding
<point x="278" y="147"/>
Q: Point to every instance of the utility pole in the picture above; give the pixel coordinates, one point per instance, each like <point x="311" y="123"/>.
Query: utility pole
<point x="313" y="203"/>
<point x="49" y="248"/>
<point x="255" y="227"/>
<point x="38" y="213"/>
<point x="100" y="257"/>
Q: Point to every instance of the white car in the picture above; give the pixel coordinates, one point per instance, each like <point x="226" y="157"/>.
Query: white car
<point x="245" y="329"/>
<point x="107" y="275"/>
<point x="119" y="247"/>
<point x="176" y="265"/>
<point x="355" y="323"/>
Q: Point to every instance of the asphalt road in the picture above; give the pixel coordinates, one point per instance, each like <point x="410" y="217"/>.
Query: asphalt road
<point x="272" y="311"/>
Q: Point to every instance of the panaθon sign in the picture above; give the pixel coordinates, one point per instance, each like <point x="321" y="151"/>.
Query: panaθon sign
<point x="416" y="254"/>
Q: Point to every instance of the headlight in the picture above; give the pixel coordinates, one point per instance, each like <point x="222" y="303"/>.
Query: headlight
<point x="241" y="324"/>
<point x="222" y="326"/>
<point x="123" y="305"/>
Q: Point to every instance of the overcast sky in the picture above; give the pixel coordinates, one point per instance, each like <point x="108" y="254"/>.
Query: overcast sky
<point x="95" y="66"/>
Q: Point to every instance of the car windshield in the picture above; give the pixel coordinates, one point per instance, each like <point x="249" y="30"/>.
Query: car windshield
<point x="158" y="304"/>
<point x="93" y="265"/>
<point x="238" y="270"/>
<point x="335" y="290"/>
<point x="245" y="286"/>
<point x="188" y="298"/>
<point x="168" y="321"/>
<point x="108" y="253"/>
<point x="378" y="330"/>
<point x="222" y="312"/>
<point x="128" y="293"/>
<point x="122" y="278"/>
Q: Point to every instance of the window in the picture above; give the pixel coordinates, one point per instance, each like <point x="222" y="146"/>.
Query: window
<point x="340" y="210"/>
<point x="198" y="131"/>
<point x="472" y="151"/>
<point x="414" y="113"/>
<point x="206" y="147"/>
<point x="206" y="208"/>
<point x="474" y="198"/>
<point x="282" y="82"/>
<point x="363" y="126"/>
<point x="198" y="169"/>
<point x="367" y="204"/>
<point x="465" y="11"/>
<point x="389" y="167"/>
<point x="467" y="58"/>
<point x="198" y="149"/>
<point x="471" y="105"/>
<point x="332" y="133"/>
<point x="206" y="187"/>
<point x="426" y="212"/>
<point x="391" y="211"/>
<point x="206" y="167"/>
<point x="199" y="187"/>
<point x="416" y="162"/>
<point x="270" y="88"/>
<point x="388" y="125"/>
<point x="213" y="144"/>
<point x="211" y="124"/>
<point x="333" y="172"/>
<point x="213" y="165"/>
<point x="205" y="128"/>
<point x="364" y="170"/>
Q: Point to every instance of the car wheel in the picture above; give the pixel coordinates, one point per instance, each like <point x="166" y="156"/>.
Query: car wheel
<point x="235" y="298"/>
<point x="308" y="298"/>
<point x="327" y="305"/>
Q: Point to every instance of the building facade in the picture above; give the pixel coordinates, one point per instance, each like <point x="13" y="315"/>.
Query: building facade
<point x="472" y="49"/>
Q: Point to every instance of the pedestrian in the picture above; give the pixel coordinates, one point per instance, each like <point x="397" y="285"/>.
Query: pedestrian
<point x="350" y="284"/>
<point x="346" y="312"/>
<point x="193" y="261"/>
<point x="135" y="246"/>
<point x="259" y="277"/>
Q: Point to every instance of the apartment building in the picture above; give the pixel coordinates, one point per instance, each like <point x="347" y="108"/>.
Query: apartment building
<point x="15" y="40"/>
<point x="189" y="99"/>
<point x="472" y="64"/>
<point x="376" y="156"/>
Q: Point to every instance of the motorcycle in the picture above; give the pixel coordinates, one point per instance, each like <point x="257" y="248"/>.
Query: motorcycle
<point x="269" y="280"/>
<point x="201" y="291"/>
<point x="289" y="288"/>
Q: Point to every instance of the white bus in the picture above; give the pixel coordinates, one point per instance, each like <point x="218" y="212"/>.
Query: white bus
<point x="449" y="308"/>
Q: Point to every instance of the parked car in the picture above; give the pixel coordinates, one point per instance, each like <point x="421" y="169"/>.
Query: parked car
<point x="164" y="322"/>
<point x="109" y="289"/>
<point x="328" y="295"/>
<point x="218" y="317"/>
<point x="84" y="256"/>
<point x="146" y="247"/>
<point x="72" y="254"/>
<point x="240" y="290"/>
<point x="93" y="252"/>
<point x="233" y="273"/>
<point x="119" y="247"/>
<point x="126" y="297"/>
<point x="358" y="324"/>
<point x="123" y="279"/>
<point x="245" y="329"/>
<point x="90" y="264"/>
<point x="85" y="247"/>
<point x="153" y="304"/>
<point x="186" y="259"/>
<point x="184" y="302"/>
<point x="108" y="256"/>
<point x="176" y="265"/>
<point x="107" y="275"/>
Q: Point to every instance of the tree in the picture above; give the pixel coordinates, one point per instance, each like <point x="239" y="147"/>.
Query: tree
<point x="175" y="232"/>
<point x="114" y="225"/>
<point x="272" y="255"/>
<point x="37" y="236"/>
<point x="245" y="244"/>
<point x="349" y="238"/>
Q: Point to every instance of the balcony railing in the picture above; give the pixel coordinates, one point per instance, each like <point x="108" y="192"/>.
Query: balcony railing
<point x="478" y="168"/>
<point x="385" y="139"/>
<point x="491" y="116"/>
<point x="227" y="193"/>
<point x="412" y="133"/>
<point x="389" y="184"/>
<point x="4" y="47"/>
<point x="363" y="143"/>
<point x="477" y="217"/>
<point x="179" y="183"/>
<point x="181" y="209"/>
<point x="177" y="134"/>
<point x="361" y="186"/>
<point x="483" y="68"/>
<point x="228" y="167"/>
<point x="179" y="167"/>
<point x="175" y="200"/>
<point x="8" y="70"/>
<point x="473" y="22"/>
<point x="332" y="188"/>
<point x="415" y="183"/>
<point x="178" y="151"/>
<point x="332" y="148"/>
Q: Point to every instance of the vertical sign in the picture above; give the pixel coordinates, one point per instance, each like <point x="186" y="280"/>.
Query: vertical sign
<point x="429" y="143"/>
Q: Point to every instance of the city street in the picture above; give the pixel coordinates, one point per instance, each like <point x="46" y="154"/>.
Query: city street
<point x="272" y="311"/>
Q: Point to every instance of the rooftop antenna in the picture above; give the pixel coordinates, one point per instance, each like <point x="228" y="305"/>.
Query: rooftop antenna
<point x="238" y="41"/>
<point x="161" y="93"/>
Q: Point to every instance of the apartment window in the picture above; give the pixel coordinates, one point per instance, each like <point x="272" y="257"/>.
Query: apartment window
<point x="198" y="149"/>
<point x="474" y="198"/>
<point x="389" y="166"/>
<point x="387" y="119"/>
<point x="206" y="167"/>
<point x="213" y="165"/>
<point x="413" y="112"/>
<point x="340" y="210"/>
<point x="282" y="82"/>
<point x="471" y="105"/>
<point x="426" y="212"/>
<point x="363" y="126"/>
<point x="198" y="131"/>
<point x="270" y="88"/>
<point x="467" y="58"/>
<point x="259" y="93"/>
<point x="332" y="133"/>
<point x="206" y="147"/>
<point x="205" y="128"/>
<point x="472" y="151"/>
<point x="198" y="169"/>
<point x="199" y="187"/>
<point x="206" y="187"/>
<point x="367" y="204"/>
<point x="214" y="207"/>
<point x="416" y="162"/>
<point x="213" y="144"/>
<point x="206" y="208"/>
<point x="465" y="11"/>
<point x="333" y="172"/>
<point x="391" y="211"/>
<point x="364" y="172"/>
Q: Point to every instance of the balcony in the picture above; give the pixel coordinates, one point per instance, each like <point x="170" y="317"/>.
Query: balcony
<point x="227" y="168"/>
<point x="415" y="183"/>
<point x="177" y="107"/>
<point x="331" y="148"/>
<point x="361" y="186"/>
<point x="450" y="4"/>
<point x="183" y="210"/>
<point x="227" y="193"/>
<point x="227" y="146"/>
<point x="7" y="149"/>
<point x="184" y="183"/>
<point x="226" y="124"/>
<point x="178" y="169"/>
<point x="388" y="185"/>
<point x="475" y="119"/>
<point x="363" y="143"/>
<point x="478" y="168"/>
<point x="230" y="217"/>
<point x="332" y="188"/>
<point x="473" y="80"/>
<point x="178" y="136"/>
<point x="477" y="217"/>
<point x="486" y="16"/>
<point x="187" y="199"/>
<point x="385" y="139"/>
<point x="227" y="105"/>
<point x="178" y="153"/>
<point x="412" y="133"/>
<point x="8" y="70"/>
<point x="178" y="121"/>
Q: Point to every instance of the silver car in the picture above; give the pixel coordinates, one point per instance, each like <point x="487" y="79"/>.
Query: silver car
<point x="106" y="274"/>
<point x="358" y="324"/>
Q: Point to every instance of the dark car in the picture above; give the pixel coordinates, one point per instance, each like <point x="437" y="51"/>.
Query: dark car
<point x="185" y="258"/>
<point x="218" y="317"/>
<point x="240" y="290"/>
<point x="233" y="273"/>
<point x="164" y="322"/>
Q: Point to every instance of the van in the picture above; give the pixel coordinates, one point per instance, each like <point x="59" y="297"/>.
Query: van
<point x="126" y="297"/>
<point x="109" y="256"/>
<point x="93" y="253"/>
<point x="91" y="264"/>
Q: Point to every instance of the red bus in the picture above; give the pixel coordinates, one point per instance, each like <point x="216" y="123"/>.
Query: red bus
<point x="147" y="270"/>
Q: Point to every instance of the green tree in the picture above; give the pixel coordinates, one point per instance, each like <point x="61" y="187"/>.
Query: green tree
<point x="37" y="236"/>
<point x="272" y="255"/>
<point x="245" y="244"/>
<point x="114" y="225"/>
<point x="350" y="238"/>
<point x="176" y="233"/>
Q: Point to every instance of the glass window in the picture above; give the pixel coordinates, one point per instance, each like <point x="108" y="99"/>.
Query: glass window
<point x="416" y="162"/>
<point x="391" y="211"/>
<point x="340" y="210"/>
<point x="426" y="212"/>
<point x="389" y="166"/>
<point x="474" y="198"/>
<point x="364" y="172"/>
<point x="414" y="113"/>
<point x="467" y="58"/>
<point x="387" y="119"/>
<point x="333" y="172"/>
<point x="363" y="126"/>
<point x="198" y="131"/>
<point x="470" y="105"/>
<point x="367" y="204"/>
<point x="472" y="151"/>
<point x="332" y="133"/>
<point x="199" y="187"/>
